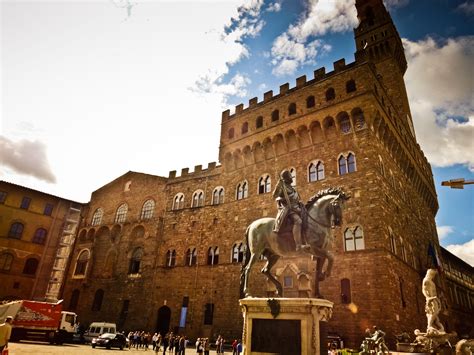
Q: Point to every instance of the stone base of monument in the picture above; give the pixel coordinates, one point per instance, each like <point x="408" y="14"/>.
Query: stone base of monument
<point x="286" y="326"/>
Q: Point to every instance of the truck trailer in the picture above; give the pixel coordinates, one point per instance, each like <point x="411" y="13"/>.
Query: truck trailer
<point x="40" y="321"/>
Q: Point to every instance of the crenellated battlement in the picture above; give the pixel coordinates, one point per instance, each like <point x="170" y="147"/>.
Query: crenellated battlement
<point x="318" y="75"/>
<point x="198" y="171"/>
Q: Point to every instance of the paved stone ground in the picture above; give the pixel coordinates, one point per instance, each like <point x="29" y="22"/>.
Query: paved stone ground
<point x="38" y="348"/>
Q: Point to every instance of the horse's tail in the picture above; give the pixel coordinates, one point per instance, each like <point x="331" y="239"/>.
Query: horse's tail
<point x="245" y="263"/>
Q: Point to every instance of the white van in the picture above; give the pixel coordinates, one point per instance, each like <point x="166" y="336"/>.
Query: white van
<point x="98" y="328"/>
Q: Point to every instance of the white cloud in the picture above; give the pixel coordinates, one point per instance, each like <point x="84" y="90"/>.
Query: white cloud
<point x="444" y="231"/>
<point x="27" y="158"/>
<point x="464" y="251"/>
<point x="274" y="7"/>
<point x="395" y="3"/>
<point x="297" y="45"/>
<point x="467" y="8"/>
<point x="440" y="89"/>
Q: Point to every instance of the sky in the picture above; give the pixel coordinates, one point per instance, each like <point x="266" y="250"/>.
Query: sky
<point x="93" y="89"/>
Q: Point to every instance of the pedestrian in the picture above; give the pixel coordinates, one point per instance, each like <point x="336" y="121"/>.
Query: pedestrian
<point x="207" y="346"/>
<point x="239" y="347"/>
<point x="199" y="347"/>
<point x="166" y="342"/>
<point x="234" y="347"/>
<point x="5" y="333"/>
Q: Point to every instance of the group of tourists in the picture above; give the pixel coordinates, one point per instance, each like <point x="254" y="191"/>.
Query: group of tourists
<point x="171" y="343"/>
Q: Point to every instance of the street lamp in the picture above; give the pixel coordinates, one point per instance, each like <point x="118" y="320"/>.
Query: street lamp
<point x="457" y="183"/>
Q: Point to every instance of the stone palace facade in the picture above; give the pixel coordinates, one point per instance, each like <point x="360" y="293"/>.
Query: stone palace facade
<point x="164" y="253"/>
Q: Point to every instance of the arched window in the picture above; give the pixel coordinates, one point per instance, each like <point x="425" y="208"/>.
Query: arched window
<point x="358" y="118"/>
<point x="342" y="165"/>
<point x="354" y="239"/>
<point x="242" y="190"/>
<point x="81" y="263"/>
<point x="330" y="94"/>
<point x="147" y="210"/>
<point x="218" y="196"/>
<point x="292" y="109"/>
<point x="16" y="230"/>
<point x="346" y="291"/>
<point x="264" y="184"/>
<point x="245" y="127"/>
<point x="98" y="298"/>
<point x="259" y="122"/>
<point x="351" y="86"/>
<point x="344" y="122"/>
<point x="238" y="252"/>
<point x="171" y="258"/>
<point x="316" y="171"/>
<point x="275" y="115"/>
<point x="351" y="163"/>
<point x="191" y="257"/>
<point x="40" y="236"/>
<point x="6" y="261"/>
<point x="198" y="199"/>
<point x="346" y="165"/>
<point x="310" y="102"/>
<point x="74" y="299"/>
<point x="178" y="202"/>
<point x="213" y="256"/>
<point x="121" y="214"/>
<point x="135" y="261"/>
<point x="231" y="133"/>
<point x="97" y="217"/>
<point x="31" y="265"/>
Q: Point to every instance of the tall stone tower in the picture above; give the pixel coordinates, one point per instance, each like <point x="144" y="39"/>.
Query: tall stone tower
<point x="378" y="36"/>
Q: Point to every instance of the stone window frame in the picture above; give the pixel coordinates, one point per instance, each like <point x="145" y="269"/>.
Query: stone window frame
<point x="16" y="230"/>
<point x="6" y="261"/>
<point x="259" y="122"/>
<point x="351" y="236"/>
<point x="317" y="163"/>
<point x="218" y="195"/>
<point x="275" y="115"/>
<point x="264" y="184"/>
<point x="148" y="208"/>
<point x="344" y="161"/>
<point x="231" y="133"/>
<point x="31" y="266"/>
<point x="191" y="257"/>
<point x="238" y="253"/>
<point x="292" y="109"/>
<point x="40" y="236"/>
<point x="330" y="94"/>
<point x="242" y="190"/>
<point x="48" y="209"/>
<point x="197" y="199"/>
<point x="3" y="197"/>
<point x="351" y="86"/>
<point x="288" y="281"/>
<point x="245" y="128"/>
<point x="344" y="121"/>
<point x="178" y="202"/>
<point x="121" y="213"/>
<point x="85" y="261"/>
<point x="25" y="203"/>
<point x="310" y="101"/>
<point x="97" y="217"/>
<point x="170" y="258"/>
<point x="136" y="257"/>
<point x="213" y="256"/>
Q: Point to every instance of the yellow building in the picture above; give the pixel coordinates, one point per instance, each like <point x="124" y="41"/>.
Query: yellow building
<point x="36" y="236"/>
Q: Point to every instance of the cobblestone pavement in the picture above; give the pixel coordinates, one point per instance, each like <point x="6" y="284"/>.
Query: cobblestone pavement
<point x="38" y="348"/>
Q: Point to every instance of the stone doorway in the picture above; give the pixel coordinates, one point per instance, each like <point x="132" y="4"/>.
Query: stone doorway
<point x="164" y="318"/>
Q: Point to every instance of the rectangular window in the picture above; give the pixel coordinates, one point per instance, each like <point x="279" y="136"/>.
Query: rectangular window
<point x="3" y="196"/>
<point x="48" y="209"/>
<point x="25" y="203"/>
<point x="208" y="313"/>
<point x="288" y="281"/>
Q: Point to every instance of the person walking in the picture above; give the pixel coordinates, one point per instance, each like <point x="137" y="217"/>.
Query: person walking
<point x="5" y="333"/>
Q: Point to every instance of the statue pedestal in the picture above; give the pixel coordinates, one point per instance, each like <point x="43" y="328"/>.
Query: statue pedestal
<point x="286" y="326"/>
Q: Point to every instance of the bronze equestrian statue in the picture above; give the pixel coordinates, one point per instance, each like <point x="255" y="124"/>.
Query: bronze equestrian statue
<point x="324" y="212"/>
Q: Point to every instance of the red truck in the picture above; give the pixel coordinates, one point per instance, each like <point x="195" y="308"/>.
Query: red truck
<point x="41" y="321"/>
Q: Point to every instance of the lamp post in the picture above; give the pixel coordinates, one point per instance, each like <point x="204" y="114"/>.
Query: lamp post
<point x="457" y="183"/>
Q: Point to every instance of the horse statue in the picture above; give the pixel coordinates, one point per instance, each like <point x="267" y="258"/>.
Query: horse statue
<point x="324" y="212"/>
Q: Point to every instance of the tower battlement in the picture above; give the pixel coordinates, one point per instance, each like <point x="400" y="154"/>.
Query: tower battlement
<point x="197" y="172"/>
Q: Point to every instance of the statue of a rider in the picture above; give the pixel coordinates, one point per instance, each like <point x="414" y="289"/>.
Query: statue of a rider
<point x="289" y="206"/>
